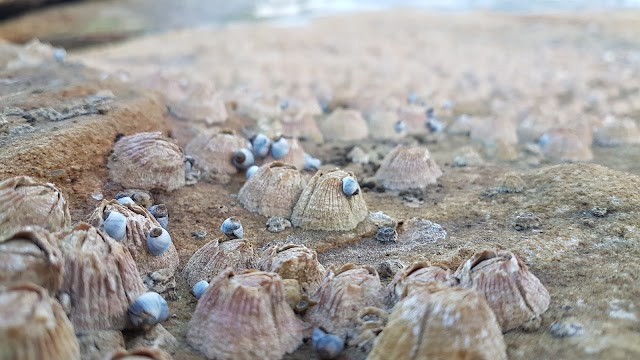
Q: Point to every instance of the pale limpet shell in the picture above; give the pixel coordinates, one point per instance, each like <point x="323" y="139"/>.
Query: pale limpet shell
<point x="516" y="296"/>
<point x="31" y="254"/>
<point x="141" y="354"/>
<point x="292" y="261"/>
<point x="216" y="256"/>
<point x="139" y="223"/>
<point x="147" y="160"/>
<point x="418" y="274"/>
<point x="406" y="168"/>
<point x="273" y="190"/>
<point x="100" y="278"/>
<point x="436" y="322"/>
<point x="213" y="149"/>
<point x="344" y="125"/>
<point x="34" y="326"/>
<point x="25" y="201"/>
<point x="562" y="144"/>
<point x="324" y="206"/>
<point x="245" y="316"/>
<point x="341" y="295"/>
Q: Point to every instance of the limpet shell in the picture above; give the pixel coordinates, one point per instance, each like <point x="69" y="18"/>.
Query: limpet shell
<point x="418" y="274"/>
<point x="342" y="294"/>
<point x="516" y="296"/>
<point x="324" y="206"/>
<point x="139" y="222"/>
<point x="141" y="354"/>
<point x="273" y="190"/>
<point x="213" y="149"/>
<point x="25" y="201"/>
<point x="562" y="144"/>
<point x="406" y="168"/>
<point x="241" y="311"/>
<point x="440" y="323"/>
<point x="147" y="160"/>
<point x="31" y="254"/>
<point x="216" y="256"/>
<point x="382" y="125"/>
<point x="292" y="261"/>
<point x="34" y="326"/>
<point x="294" y="157"/>
<point x="344" y="125"/>
<point x="100" y="278"/>
<point x="302" y="125"/>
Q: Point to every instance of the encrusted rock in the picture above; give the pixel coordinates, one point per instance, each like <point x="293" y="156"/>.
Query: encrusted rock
<point x="293" y="261"/>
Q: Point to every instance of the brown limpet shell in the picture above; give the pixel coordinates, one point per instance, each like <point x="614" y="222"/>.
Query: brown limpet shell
<point x="516" y="296"/>
<point x="344" y="125"/>
<point x="435" y="322"/>
<point x="100" y="278"/>
<point x="139" y="223"/>
<point x="272" y="190"/>
<point x="407" y="168"/>
<point x="213" y="149"/>
<point x="216" y="256"/>
<point x="245" y="316"/>
<point x="293" y="261"/>
<point x="25" y="201"/>
<point x="34" y="326"/>
<point x="418" y="274"/>
<point x="147" y="160"/>
<point x="324" y="206"/>
<point x="342" y="294"/>
<point x="31" y="254"/>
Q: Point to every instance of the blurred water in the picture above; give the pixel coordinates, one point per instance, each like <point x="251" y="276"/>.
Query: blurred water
<point x="288" y="8"/>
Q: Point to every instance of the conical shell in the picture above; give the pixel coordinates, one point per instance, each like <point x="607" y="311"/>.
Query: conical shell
<point x="141" y="354"/>
<point x="100" y="278"/>
<point x="323" y="206"/>
<point x="294" y="157"/>
<point x="31" y="254"/>
<point x="344" y="125"/>
<point x="273" y="190"/>
<point x="516" y="296"/>
<point x="293" y="261"/>
<point x="25" y="201"/>
<point x="139" y="224"/>
<point x="34" y="326"/>
<point x="406" y="168"/>
<point x="216" y="256"/>
<point x="212" y="150"/>
<point x="342" y="294"/>
<point x="244" y="316"/>
<point x="301" y="126"/>
<point x="563" y="144"/>
<point x="414" y="118"/>
<point x="444" y="323"/>
<point x="147" y="161"/>
<point x="418" y="274"/>
<point x="382" y="125"/>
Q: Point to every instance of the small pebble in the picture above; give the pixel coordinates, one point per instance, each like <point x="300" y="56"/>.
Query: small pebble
<point x="526" y="221"/>
<point x="565" y="328"/>
<point x="199" y="234"/>
<point x="97" y="196"/>
<point x="277" y="224"/>
<point x="386" y="234"/>
<point x="599" y="211"/>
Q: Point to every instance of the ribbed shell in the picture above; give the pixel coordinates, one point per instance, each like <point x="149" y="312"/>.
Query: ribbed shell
<point x="25" y="201"/>
<point x="141" y="354"/>
<point x="344" y="125"/>
<point x="294" y="157"/>
<point x="147" y="160"/>
<point x="215" y="256"/>
<point x="381" y="125"/>
<point x="566" y="145"/>
<point x="414" y="118"/>
<point x="34" y="326"/>
<point x="511" y="184"/>
<point x="31" y="254"/>
<point x="418" y="274"/>
<point x="301" y="126"/>
<point x="293" y="261"/>
<point x="445" y="323"/>
<point x="245" y="316"/>
<point x="323" y="206"/>
<point x="139" y="224"/>
<point x="516" y="296"/>
<point x="342" y="294"/>
<point x="273" y="190"/>
<point x="406" y="168"/>
<point x="212" y="151"/>
<point x="202" y="102"/>
<point x="100" y="278"/>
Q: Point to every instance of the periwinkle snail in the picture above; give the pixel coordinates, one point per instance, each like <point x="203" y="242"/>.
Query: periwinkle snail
<point x="232" y="228"/>
<point x="115" y="224"/>
<point x="261" y="145"/>
<point x="350" y="186"/>
<point x="158" y="241"/>
<point x="327" y="346"/>
<point x="280" y="148"/>
<point x="148" y="309"/>
<point x="242" y="159"/>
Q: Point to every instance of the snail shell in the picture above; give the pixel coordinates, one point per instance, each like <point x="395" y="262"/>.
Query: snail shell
<point x="158" y="241"/>
<point x="148" y="309"/>
<point x="232" y="228"/>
